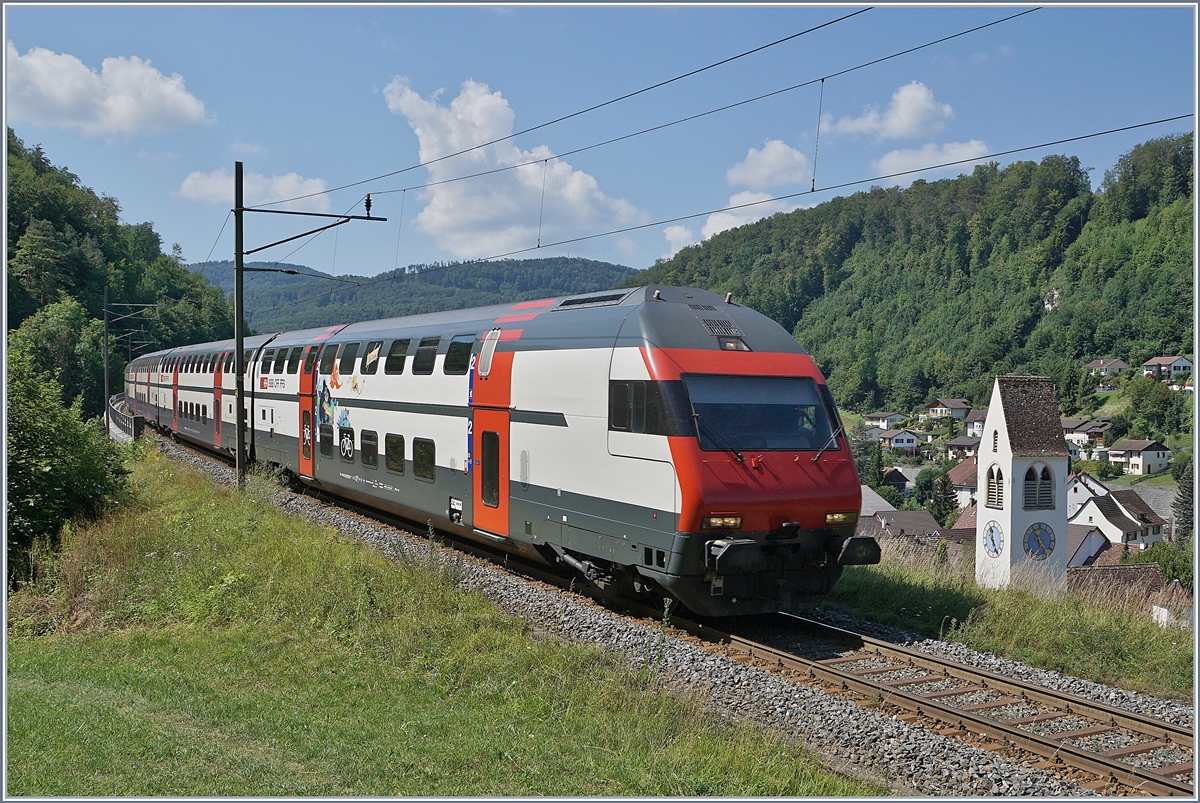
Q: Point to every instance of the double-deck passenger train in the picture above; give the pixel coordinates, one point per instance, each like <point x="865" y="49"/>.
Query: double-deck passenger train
<point x="659" y="441"/>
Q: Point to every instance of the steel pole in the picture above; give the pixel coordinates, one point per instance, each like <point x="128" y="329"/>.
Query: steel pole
<point x="107" y="427"/>
<point x="238" y="334"/>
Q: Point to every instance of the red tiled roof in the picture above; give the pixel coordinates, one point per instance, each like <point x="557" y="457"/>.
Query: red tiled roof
<point x="1136" y="507"/>
<point x="1128" y="445"/>
<point x="965" y="474"/>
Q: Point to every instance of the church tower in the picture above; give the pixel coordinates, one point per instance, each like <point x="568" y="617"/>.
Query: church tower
<point x="1021" y="531"/>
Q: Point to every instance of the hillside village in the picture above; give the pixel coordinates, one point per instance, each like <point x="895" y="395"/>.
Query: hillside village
<point x="922" y="478"/>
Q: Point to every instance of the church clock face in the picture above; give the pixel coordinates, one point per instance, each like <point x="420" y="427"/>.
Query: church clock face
<point x="1039" y="541"/>
<point x="993" y="539"/>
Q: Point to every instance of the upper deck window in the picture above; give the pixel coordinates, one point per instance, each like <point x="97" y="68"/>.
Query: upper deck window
<point x="758" y="412"/>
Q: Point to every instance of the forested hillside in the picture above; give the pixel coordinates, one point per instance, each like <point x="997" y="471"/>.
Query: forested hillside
<point x="65" y="243"/>
<point x="277" y="301"/>
<point x="903" y="295"/>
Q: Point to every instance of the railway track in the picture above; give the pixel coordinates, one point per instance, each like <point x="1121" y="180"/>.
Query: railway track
<point x="998" y="713"/>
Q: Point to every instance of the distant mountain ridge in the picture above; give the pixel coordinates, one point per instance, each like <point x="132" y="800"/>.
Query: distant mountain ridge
<point x="277" y="301"/>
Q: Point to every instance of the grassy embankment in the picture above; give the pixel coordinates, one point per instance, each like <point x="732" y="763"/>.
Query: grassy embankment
<point x="1097" y="636"/>
<point x="201" y="643"/>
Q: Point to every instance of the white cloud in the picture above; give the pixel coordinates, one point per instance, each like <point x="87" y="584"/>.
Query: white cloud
<point x="913" y="112"/>
<point x="217" y="188"/>
<point x="127" y="95"/>
<point x="499" y="213"/>
<point x="678" y="238"/>
<point x="776" y="164"/>
<point x="720" y="221"/>
<point x="931" y="154"/>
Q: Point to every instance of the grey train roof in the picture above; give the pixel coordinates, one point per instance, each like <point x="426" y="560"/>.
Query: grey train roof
<point x="677" y="317"/>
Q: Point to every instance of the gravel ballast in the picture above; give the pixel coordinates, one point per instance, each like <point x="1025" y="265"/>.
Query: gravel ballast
<point x="857" y="740"/>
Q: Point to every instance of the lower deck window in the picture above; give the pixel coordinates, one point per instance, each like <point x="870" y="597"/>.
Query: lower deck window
<point x="369" y="449"/>
<point x="325" y="432"/>
<point x="424" y="459"/>
<point x="393" y="448"/>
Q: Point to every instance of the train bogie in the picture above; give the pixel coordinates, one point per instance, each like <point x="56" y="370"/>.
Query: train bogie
<point x="654" y="440"/>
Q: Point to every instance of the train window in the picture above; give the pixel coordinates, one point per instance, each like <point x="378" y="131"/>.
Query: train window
<point x="368" y="445"/>
<point x="294" y="360"/>
<point x="759" y="412"/>
<point x="458" y="355"/>
<point x="310" y="359"/>
<point x="346" y="443"/>
<point x="395" y="358"/>
<point x="204" y="413"/>
<point x="393" y="453"/>
<point x="267" y="357"/>
<point x="219" y="367"/>
<point x="280" y="361"/>
<point x="655" y="408"/>
<point x="426" y="355"/>
<point x="489" y="475"/>
<point x="371" y="359"/>
<point x="326" y="433"/>
<point x="618" y="401"/>
<point x="328" y="356"/>
<point x="485" y="354"/>
<point x="424" y="459"/>
<point x="247" y="357"/>
<point x="210" y="363"/>
<point x="349" y="355"/>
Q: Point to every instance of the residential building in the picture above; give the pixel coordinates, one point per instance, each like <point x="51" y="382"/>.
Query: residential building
<point x="1081" y="487"/>
<point x="1085" y="435"/>
<point x="964" y="478"/>
<point x="1167" y="367"/>
<point x="896" y="523"/>
<point x="1139" y="457"/>
<point x="872" y="503"/>
<point x="896" y="479"/>
<point x="1084" y="542"/>
<point x="962" y="446"/>
<point x="1106" y="366"/>
<point x="899" y="439"/>
<point x="973" y="423"/>
<point x="947" y="408"/>
<point x="1124" y="518"/>
<point x="886" y="420"/>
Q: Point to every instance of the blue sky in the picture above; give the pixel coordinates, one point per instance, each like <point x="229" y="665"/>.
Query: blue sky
<point x="152" y="105"/>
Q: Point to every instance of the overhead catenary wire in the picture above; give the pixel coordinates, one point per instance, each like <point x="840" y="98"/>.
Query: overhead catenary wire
<point x="572" y="115"/>
<point x="716" y="110"/>
<point x="843" y="185"/>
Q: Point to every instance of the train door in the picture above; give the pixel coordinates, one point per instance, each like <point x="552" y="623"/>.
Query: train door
<point x="218" y="407"/>
<point x="175" y="395"/>
<point x="307" y="389"/>
<point x="490" y="436"/>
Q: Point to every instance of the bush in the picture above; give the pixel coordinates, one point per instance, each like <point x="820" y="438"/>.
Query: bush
<point x="59" y="466"/>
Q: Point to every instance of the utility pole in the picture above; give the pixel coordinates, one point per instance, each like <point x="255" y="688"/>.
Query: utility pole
<point x="239" y="270"/>
<point x="107" y="427"/>
<point x="238" y="335"/>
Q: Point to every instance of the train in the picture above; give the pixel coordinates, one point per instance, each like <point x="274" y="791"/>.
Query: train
<point x="658" y="441"/>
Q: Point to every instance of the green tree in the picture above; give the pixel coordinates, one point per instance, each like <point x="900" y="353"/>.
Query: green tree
<point x="61" y="341"/>
<point x="1174" y="559"/>
<point x="1182" y="506"/>
<point x="59" y="466"/>
<point x="873" y="477"/>
<point x="944" y="503"/>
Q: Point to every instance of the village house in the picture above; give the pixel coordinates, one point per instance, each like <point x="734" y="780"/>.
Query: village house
<point x="1084" y="542"/>
<point x="897" y="523"/>
<point x="1081" y="487"/>
<point x="1085" y="435"/>
<point x="895" y="478"/>
<point x="1139" y="457"/>
<point x="872" y="503"/>
<point x="1106" y="367"/>
<point x="973" y="423"/>
<point x="1167" y="367"/>
<point x="962" y="446"/>
<point x="1123" y="517"/>
<point x="899" y="439"/>
<point x="886" y="420"/>
<point x="964" y="478"/>
<point x="947" y="408"/>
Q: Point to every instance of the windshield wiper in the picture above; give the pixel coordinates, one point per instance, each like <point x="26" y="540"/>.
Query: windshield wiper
<point x="717" y="439"/>
<point x="828" y="443"/>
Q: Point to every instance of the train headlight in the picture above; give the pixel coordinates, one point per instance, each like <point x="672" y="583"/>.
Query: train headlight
<point x="845" y="519"/>
<point x="721" y="523"/>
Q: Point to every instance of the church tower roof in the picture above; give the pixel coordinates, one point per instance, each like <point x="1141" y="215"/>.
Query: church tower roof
<point x="1031" y="416"/>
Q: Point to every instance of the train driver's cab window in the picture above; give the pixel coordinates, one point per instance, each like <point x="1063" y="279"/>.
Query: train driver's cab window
<point x="370" y="362"/>
<point x="293" y="364"/>
<point x="393" y="452"/>
<point x="328" y="357"/>
<point x="397" y="353"/>
<point x="349" y="355"/>
<point x="369" y="448"/>
<point x="325" y="432"/>
<point x="424" y="459"/>
<point x="426" y="355"/>
<point x="458" y="355"/>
